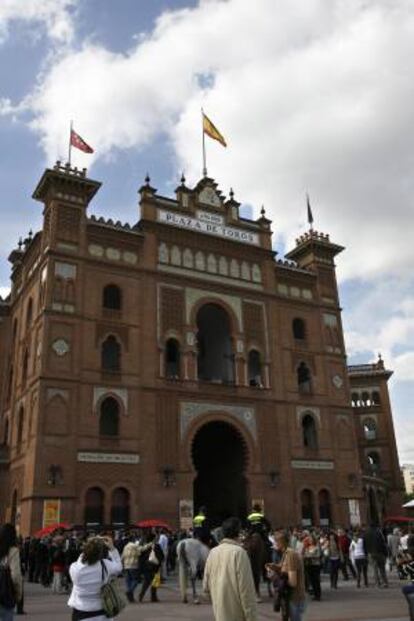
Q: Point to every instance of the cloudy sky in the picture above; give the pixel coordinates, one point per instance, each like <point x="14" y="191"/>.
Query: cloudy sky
<point x="314" y="96"/>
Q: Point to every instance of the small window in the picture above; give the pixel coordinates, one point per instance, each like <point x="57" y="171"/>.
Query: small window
<point x="29" y="313"/>
<point x="374" y="461"/>
<point x="111" y="354"/>
<point x="112" y="298"/>
<point x="109" y="418"/>
<point x="6" y="432"/>
<point x="298" y="327"/>
<point x="376" y="398"/>
<point x="20" y="427"/>
<point x="255" y="369"/>
<point x="172" y="359"/>
<point x="304" y="379"/>
<point x="25" y="366"/>
<point x="355" y="399"/>
<point x="310" y="434"/>
<point x="370" y="429"/>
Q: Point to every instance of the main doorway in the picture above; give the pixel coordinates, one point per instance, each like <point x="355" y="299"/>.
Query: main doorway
<point x="220" y="458"/>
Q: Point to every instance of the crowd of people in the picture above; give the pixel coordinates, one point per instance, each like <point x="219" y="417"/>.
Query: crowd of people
<point x="232" y="562"/>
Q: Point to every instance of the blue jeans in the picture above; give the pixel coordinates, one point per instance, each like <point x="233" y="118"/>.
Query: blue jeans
<point x="296" y="611"/>
<point x="131" y="580"/>
<point x="408" y="591"/>
<point x="6" y="614"/>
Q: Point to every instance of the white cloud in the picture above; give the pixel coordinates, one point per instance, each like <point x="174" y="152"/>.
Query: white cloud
<point x="53" y="14"/>
<point x="4" y="292"/>
<point x="317" y="98"/>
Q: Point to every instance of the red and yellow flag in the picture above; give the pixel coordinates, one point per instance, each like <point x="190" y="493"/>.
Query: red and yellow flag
<point x="211" y="130"/>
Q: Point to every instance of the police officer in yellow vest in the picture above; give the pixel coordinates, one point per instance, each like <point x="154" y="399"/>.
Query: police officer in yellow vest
<point x="199" y="520"/>
<point x="201" y="526"/>
<point x="257" y="520"/>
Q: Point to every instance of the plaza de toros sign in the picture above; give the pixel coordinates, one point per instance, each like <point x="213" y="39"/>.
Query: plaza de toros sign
<point x="211" y="224"/>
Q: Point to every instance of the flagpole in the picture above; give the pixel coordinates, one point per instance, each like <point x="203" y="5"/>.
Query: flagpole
<point x="204" y="144"/>
<point x="70" y="143"/>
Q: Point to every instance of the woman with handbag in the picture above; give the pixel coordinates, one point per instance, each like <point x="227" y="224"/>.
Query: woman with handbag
<point x="151" y="569"/>
<point x="11" y="581"/>
<point x="98" y="563"/>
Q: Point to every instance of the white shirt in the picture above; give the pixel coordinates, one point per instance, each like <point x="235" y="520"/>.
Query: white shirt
<point x="163" y="543"/>
<point x="357" y="549"/>
<point x="87" y="582"/>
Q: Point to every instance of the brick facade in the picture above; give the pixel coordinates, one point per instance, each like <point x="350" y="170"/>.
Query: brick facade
<point x="110" y="371"/>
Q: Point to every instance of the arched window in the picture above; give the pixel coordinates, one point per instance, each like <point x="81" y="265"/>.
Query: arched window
<point x="14" y="507"/>
<point x="112" y="297"/>
<point x="370" y="429"/>
<point x="14" y="337"/>
<point x="325" y="515"/>
<point x="94" y="506"/>
<point x="374" y="461"/>
<point x="355" y="399"/>
<point x="29" y="313"/>
<point x="255" y="368"/>
<point x="365" y="398"/>
<point x="306" y="501"/>
<point x="111" y="354"/>
<point x="376" y="398"/>
<point x="215" y="349"/>
<point x="304" y="379"/>
<point x="25" y="366"/>
<point x="310" y="434"/>
<point x="172" y="359"/>
<point x="20" y="427"/>
<point x="6" y="432"/>
<point x="120" y="507"/>
<point x="298" y="327"/>
<point x="9" y="384"/>
<point x="109" y="417"/>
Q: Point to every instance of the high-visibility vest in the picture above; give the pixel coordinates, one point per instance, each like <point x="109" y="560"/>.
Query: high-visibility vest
<point x="199" y="519"/>
<point x="255" y="517"/>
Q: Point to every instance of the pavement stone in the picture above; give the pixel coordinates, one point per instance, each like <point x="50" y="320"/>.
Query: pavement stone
<point x="345" y="604"/>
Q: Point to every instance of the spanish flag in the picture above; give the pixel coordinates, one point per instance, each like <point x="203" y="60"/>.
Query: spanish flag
<point x="211" y="130"/>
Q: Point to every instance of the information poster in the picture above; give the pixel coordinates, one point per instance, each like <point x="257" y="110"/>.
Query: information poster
<point x="186" y="514"/>
<point x="51" y="512"/>
<point x="354" y="514"/>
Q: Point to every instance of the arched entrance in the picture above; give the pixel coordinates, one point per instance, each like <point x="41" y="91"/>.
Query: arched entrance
<point x="220" y="457"/>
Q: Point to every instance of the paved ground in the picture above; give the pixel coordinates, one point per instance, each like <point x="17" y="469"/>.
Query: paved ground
<point x="345" y="604"/>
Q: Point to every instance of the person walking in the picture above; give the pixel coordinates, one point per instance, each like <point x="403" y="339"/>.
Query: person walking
<point x="333" y="553"/>
<point x="99" y="557"/>
<point x="312" y="554"/>
<point x="358" y="555"/>
<point x="228" y="577"/>
<point x="344" y="541"/>
<point x="377" y="550"/>
<point x="151" y="560"/>
<point x="9" y="567"/>
<point x="130" y="559"/>
<point x="289" y="575"/>
<point x="393" y="543"/>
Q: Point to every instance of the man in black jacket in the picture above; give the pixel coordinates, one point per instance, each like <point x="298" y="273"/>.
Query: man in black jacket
<point x="377" y="551"/>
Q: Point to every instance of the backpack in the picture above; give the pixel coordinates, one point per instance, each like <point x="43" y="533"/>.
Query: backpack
<point x="7" y="592"/>
<point x="113" y="601"/>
